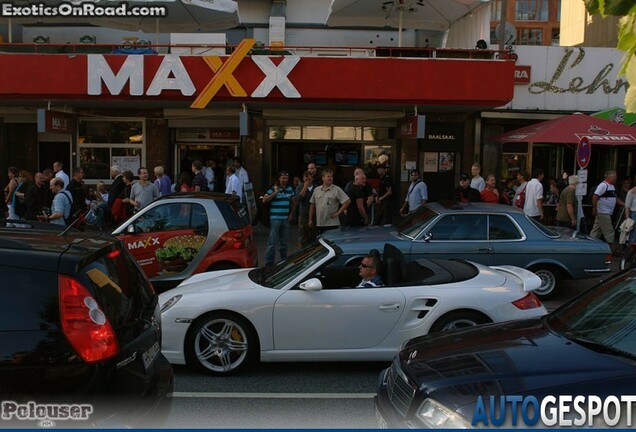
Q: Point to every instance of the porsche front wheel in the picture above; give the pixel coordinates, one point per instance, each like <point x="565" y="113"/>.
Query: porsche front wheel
<point x="220" y="343"/>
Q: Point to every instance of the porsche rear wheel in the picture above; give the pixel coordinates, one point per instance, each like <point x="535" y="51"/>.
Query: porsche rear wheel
<point x="458" y="320"/>
<point x="220" y="343"/>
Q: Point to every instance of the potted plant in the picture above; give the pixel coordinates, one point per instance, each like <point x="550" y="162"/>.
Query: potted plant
<point x="177" y="252"/>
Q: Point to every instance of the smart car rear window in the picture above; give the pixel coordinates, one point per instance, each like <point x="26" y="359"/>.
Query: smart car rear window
<point x="235" y="216"/>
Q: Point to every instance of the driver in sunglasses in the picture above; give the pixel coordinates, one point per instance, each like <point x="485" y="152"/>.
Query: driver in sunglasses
<point x="369" y="272"/>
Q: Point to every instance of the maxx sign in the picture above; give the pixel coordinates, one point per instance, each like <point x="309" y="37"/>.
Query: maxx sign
<point x="173" y="75"/>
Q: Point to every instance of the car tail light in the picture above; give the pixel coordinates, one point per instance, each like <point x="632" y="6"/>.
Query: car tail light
<point x="608" y="259"/>
<point x="84" y="323"/>
<point x="531" y="301"/>
<point x="236" y="238"/>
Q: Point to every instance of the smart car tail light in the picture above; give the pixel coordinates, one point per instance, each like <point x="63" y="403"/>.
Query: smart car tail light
<point x="530" y="301"/>
<point x="236" y="239"/>
<point x="83" y="322"/>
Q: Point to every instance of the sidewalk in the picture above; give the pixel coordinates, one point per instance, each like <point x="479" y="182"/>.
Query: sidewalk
<point x="261" y="233"/>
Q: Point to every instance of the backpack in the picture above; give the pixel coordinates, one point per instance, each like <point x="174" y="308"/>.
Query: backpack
<point x="520" y="198"/>
<point x="72" y="216"/>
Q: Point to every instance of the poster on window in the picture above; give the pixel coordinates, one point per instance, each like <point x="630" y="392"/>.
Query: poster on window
<point x="127" y="163"/>
<point x="446" y="162"/>
<point x="430" y="161"/>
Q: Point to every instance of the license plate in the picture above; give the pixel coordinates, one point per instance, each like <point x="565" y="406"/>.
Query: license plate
<point x="149" y="356"/>
<point x="382" y="424"/>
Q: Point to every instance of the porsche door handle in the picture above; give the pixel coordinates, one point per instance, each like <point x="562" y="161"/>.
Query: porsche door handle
<point x="488" y="250"/>
<point x="389" y="307"/>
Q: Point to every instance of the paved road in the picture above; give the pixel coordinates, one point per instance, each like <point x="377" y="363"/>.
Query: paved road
<point x="278" y="395"/>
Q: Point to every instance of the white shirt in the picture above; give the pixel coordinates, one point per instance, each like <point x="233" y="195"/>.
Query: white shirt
<point x="534" y="191"/>
<point x="209" y="176"/>
<point x="606" y="204"/>
<point x="478" y="183"/>
<point x="62" y="175"/>
<point x="234" y="187"/>
<point x="242" y="175"/>
<point x="416" y="194"/>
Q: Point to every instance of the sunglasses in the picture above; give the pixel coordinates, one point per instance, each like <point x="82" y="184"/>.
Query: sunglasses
<point x="365" y="265"/>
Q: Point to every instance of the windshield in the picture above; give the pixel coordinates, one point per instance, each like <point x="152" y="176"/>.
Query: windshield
<point x="605" y="315"/>
<point x="282" y="273"/>
<point x="413" y="223"/>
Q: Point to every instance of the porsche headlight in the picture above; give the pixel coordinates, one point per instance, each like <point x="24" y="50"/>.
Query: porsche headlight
<point x="436" y="416"/>
<point x="171" y="302"/>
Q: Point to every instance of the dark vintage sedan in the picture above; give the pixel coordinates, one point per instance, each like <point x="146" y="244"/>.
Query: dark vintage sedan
<point x="585" y="348"/>
<point x="490" y="234"/>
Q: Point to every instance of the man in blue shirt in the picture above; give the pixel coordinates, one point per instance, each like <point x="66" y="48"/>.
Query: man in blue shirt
<point x="62" y="203"/>
<point x="281" y="210"/>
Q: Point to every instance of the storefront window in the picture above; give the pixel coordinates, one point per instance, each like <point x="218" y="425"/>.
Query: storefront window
<point x="514" y="163"/>
<point x="344" y="133"/>
<point x="329" y="133"/>
<point x="103" y="143"/>
<point x="316" y="133"/>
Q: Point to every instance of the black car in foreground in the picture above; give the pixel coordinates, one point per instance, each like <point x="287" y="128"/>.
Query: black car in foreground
<point x="80" y="333"/>
<point x="574" y="367"/>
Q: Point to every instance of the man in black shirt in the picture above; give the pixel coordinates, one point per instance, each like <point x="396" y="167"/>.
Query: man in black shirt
<point x="357" y="212"/>
<point x="385" y="197"/>
<point x="77" y="190"/>
<point x="464" y="193"/>
<point x="36" y="197"/>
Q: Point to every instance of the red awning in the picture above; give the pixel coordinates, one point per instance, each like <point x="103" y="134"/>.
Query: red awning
<point x="570" y="129"/>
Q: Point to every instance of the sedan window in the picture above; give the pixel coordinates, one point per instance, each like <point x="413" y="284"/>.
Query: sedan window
<point x="500" y="227"/>
<point x="411" y="225"/>
<point x="460" y="227"/>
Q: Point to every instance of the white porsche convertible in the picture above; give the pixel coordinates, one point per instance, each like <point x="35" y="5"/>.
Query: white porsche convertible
<point x="304" y="310"/>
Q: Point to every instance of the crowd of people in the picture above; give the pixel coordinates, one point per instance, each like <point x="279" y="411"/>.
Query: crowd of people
<point x="53" y="196"/>
<point x="313" y="202"/>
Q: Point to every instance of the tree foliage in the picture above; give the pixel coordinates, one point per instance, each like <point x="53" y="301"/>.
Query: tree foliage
<point x="626" y="9"/>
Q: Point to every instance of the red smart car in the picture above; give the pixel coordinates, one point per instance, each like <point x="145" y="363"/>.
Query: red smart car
<point x="182" y="234"/>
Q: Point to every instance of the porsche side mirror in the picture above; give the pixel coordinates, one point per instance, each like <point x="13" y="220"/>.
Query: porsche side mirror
<point x="428" y="237"/>
<point x="312" y="284"/>
<point x="130" y="229"/>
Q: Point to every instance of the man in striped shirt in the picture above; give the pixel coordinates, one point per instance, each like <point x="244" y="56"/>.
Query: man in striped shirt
<point x="279" y="196"/>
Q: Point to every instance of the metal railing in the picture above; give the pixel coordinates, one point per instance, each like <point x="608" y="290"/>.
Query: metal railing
<point x="202" y="49"/>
